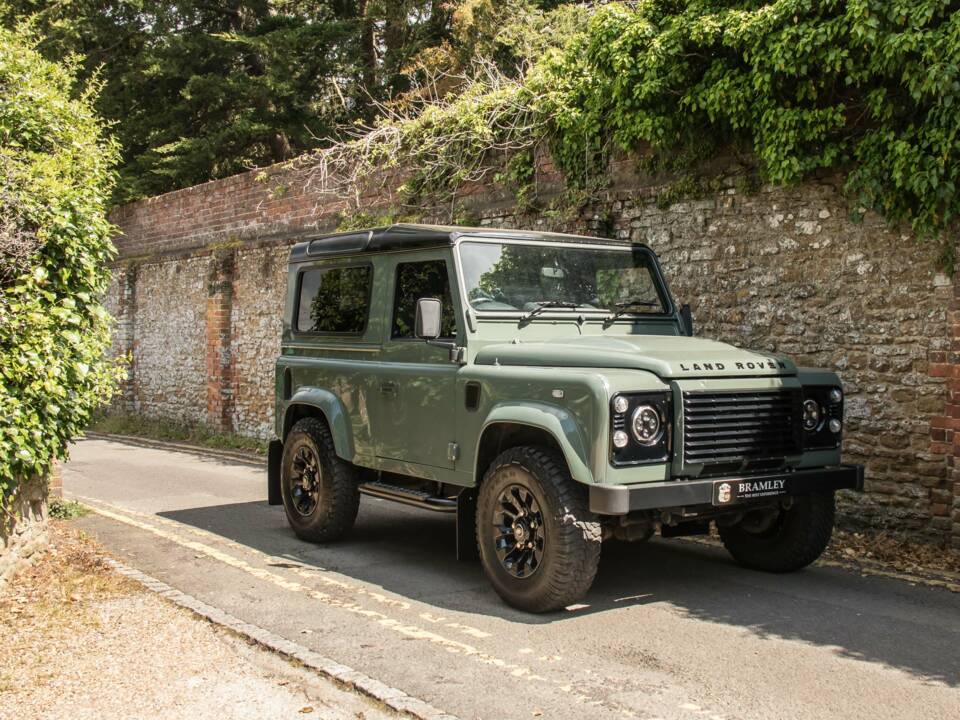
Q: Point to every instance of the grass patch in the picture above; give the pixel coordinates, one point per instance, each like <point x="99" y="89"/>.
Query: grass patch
<point x="193" y="433"/>
<point x="66" y="509"/>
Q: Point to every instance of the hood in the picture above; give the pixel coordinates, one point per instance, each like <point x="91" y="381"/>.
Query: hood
<point x="665" y="356"/>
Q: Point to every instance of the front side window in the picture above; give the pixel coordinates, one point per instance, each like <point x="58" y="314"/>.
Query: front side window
<point x="335" y="300"/>
<point x="518" y="277"/>
<point x="422" y="280"/>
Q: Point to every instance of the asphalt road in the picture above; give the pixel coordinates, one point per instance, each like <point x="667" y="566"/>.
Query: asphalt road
<point x="671" y="629"/>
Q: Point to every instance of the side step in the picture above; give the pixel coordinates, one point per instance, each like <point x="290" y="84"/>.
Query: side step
<point x="416" y="498"/>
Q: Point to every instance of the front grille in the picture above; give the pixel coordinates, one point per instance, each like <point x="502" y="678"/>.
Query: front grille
<point x="741" y="430"/>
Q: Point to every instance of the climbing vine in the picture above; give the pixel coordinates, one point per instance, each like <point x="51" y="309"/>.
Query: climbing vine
<point x="869" y="89"/>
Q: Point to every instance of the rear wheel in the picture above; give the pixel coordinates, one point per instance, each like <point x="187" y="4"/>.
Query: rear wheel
<point x="539" y="542"/>
<point x="320" y="491"/>
<point x="784" y="540"/>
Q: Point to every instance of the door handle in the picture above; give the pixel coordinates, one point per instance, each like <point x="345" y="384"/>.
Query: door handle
<point x="388" y="388"/>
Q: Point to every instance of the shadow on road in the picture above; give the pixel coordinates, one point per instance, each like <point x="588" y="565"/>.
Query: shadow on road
<point x="411" y="553"/>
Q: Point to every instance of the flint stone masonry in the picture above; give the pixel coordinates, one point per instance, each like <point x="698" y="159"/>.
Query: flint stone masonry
<point x="200" y="281"/>
<point x="23" y="532"/>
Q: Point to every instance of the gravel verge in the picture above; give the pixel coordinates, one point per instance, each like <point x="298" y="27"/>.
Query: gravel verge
<point x="81" y="641"/>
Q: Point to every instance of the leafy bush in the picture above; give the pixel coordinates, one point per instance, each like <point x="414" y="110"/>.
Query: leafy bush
<point x="66" y="509"/>
<point x="55" y="176"/>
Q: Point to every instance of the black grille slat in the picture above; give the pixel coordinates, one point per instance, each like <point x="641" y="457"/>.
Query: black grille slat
<point x="741" y="427"/>
<point x="726" y="429"/>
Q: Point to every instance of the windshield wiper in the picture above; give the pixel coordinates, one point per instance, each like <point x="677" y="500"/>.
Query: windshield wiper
<point x="542" y="305"/>
<point x="622" y="308"/>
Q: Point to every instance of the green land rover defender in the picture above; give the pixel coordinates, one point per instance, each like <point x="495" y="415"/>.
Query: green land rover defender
<point x="547" y="391"/>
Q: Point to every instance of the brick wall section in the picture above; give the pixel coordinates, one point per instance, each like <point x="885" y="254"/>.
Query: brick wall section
<point x="783" y="270"/>
<point x="944" y="429"/>
<point x="218" y="348"/>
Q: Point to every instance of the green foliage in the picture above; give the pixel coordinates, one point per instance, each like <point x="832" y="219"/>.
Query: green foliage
<point x="520" y="173"/>
<point x="448" y="145"/>
<point x="688" y="186"/>
<point x="417" y="280"/>
<point x="201" y="89"/>
<point x="55" y="177"/>
<point x="66" y="509"/>
<point x="119" y="423"/>
<point x="870" y="86"/>
<point x="362" y="219"/>
<point x="340" y="304"/>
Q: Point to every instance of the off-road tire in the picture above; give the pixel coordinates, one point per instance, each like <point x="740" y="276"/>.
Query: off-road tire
<point x="798" y="537"/>
<point x="572" y="533"/>
<point x="339" y="494"/>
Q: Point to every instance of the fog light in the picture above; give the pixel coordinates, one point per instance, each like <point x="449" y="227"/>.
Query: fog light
<point x="836" y="395"/>
<point x="620" y="439"/>
<point x="835" y="426"/>
<point x="620" y="404"/>
<point x="646" y="425"/>
<point x="811" y="415"/>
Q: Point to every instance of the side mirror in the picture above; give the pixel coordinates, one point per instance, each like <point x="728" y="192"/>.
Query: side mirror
<point x="687" y="317"/>
<point x="427" y="323"/>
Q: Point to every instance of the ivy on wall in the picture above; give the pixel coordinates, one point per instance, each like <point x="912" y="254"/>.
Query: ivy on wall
<point x="55" y="177"/>
<point x="871" y="87"/>
<point x="867" y="88"/>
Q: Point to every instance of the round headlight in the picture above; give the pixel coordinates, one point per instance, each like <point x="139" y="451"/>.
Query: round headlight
<point x="646" y="425"/>
<point x="835" y="426"/>
<point x="836" y="395"/>
<point x="620" y="404"/>
<point x="620" y="439"/>
<point x="811" y="415"/>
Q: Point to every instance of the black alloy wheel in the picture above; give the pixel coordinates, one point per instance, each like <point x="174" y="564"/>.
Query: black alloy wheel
<point x="305" y="481"/>
<point x="320" y="490"/>
<point x="521" y="532"/>
<point x="539" y="543"/>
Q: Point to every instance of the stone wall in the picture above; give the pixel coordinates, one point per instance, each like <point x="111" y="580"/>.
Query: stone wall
<point x="201" y="277"/>
<point x="23" y="532"/>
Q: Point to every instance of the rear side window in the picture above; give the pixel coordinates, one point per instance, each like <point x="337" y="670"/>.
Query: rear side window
<point x="422" y="280"/>
<point x="334" y="300"/>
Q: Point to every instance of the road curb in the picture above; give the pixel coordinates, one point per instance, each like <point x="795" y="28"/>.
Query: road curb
<point x="346" y="676"/>
<point x="248" y="458"/>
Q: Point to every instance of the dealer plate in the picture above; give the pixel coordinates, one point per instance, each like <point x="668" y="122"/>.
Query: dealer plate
<point x="728" y="492"/>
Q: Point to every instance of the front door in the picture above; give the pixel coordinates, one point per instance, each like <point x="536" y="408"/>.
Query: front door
<point x="416" y="383"/>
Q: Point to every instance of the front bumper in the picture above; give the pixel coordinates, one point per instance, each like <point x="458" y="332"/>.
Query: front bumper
<point x="721" y="492"/>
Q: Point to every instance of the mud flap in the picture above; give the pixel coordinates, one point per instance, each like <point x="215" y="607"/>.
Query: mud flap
<point x="467" y="525"/>
<point x="274" y="457"/>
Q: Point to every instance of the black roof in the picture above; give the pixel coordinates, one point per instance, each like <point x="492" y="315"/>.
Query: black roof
<point x="405" y="236"/>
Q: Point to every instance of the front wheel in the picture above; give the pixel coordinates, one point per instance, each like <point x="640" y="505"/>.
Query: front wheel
<point x="784" y="540"/>
<point x="539" y="542"/>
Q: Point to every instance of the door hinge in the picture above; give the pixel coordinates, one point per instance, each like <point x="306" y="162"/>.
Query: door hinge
<point x="453" y="451"/>
<point x="458" y="354"/>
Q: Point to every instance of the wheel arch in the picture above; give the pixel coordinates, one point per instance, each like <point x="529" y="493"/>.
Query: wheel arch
<point x="514" y="424"/>
<point x="317" y="402"/>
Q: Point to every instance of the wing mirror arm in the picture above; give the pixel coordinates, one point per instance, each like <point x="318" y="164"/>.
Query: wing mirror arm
<point x="427" y="327"/>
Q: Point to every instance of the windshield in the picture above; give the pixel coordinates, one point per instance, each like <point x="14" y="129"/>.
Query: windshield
<point x="517" y="277"/>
